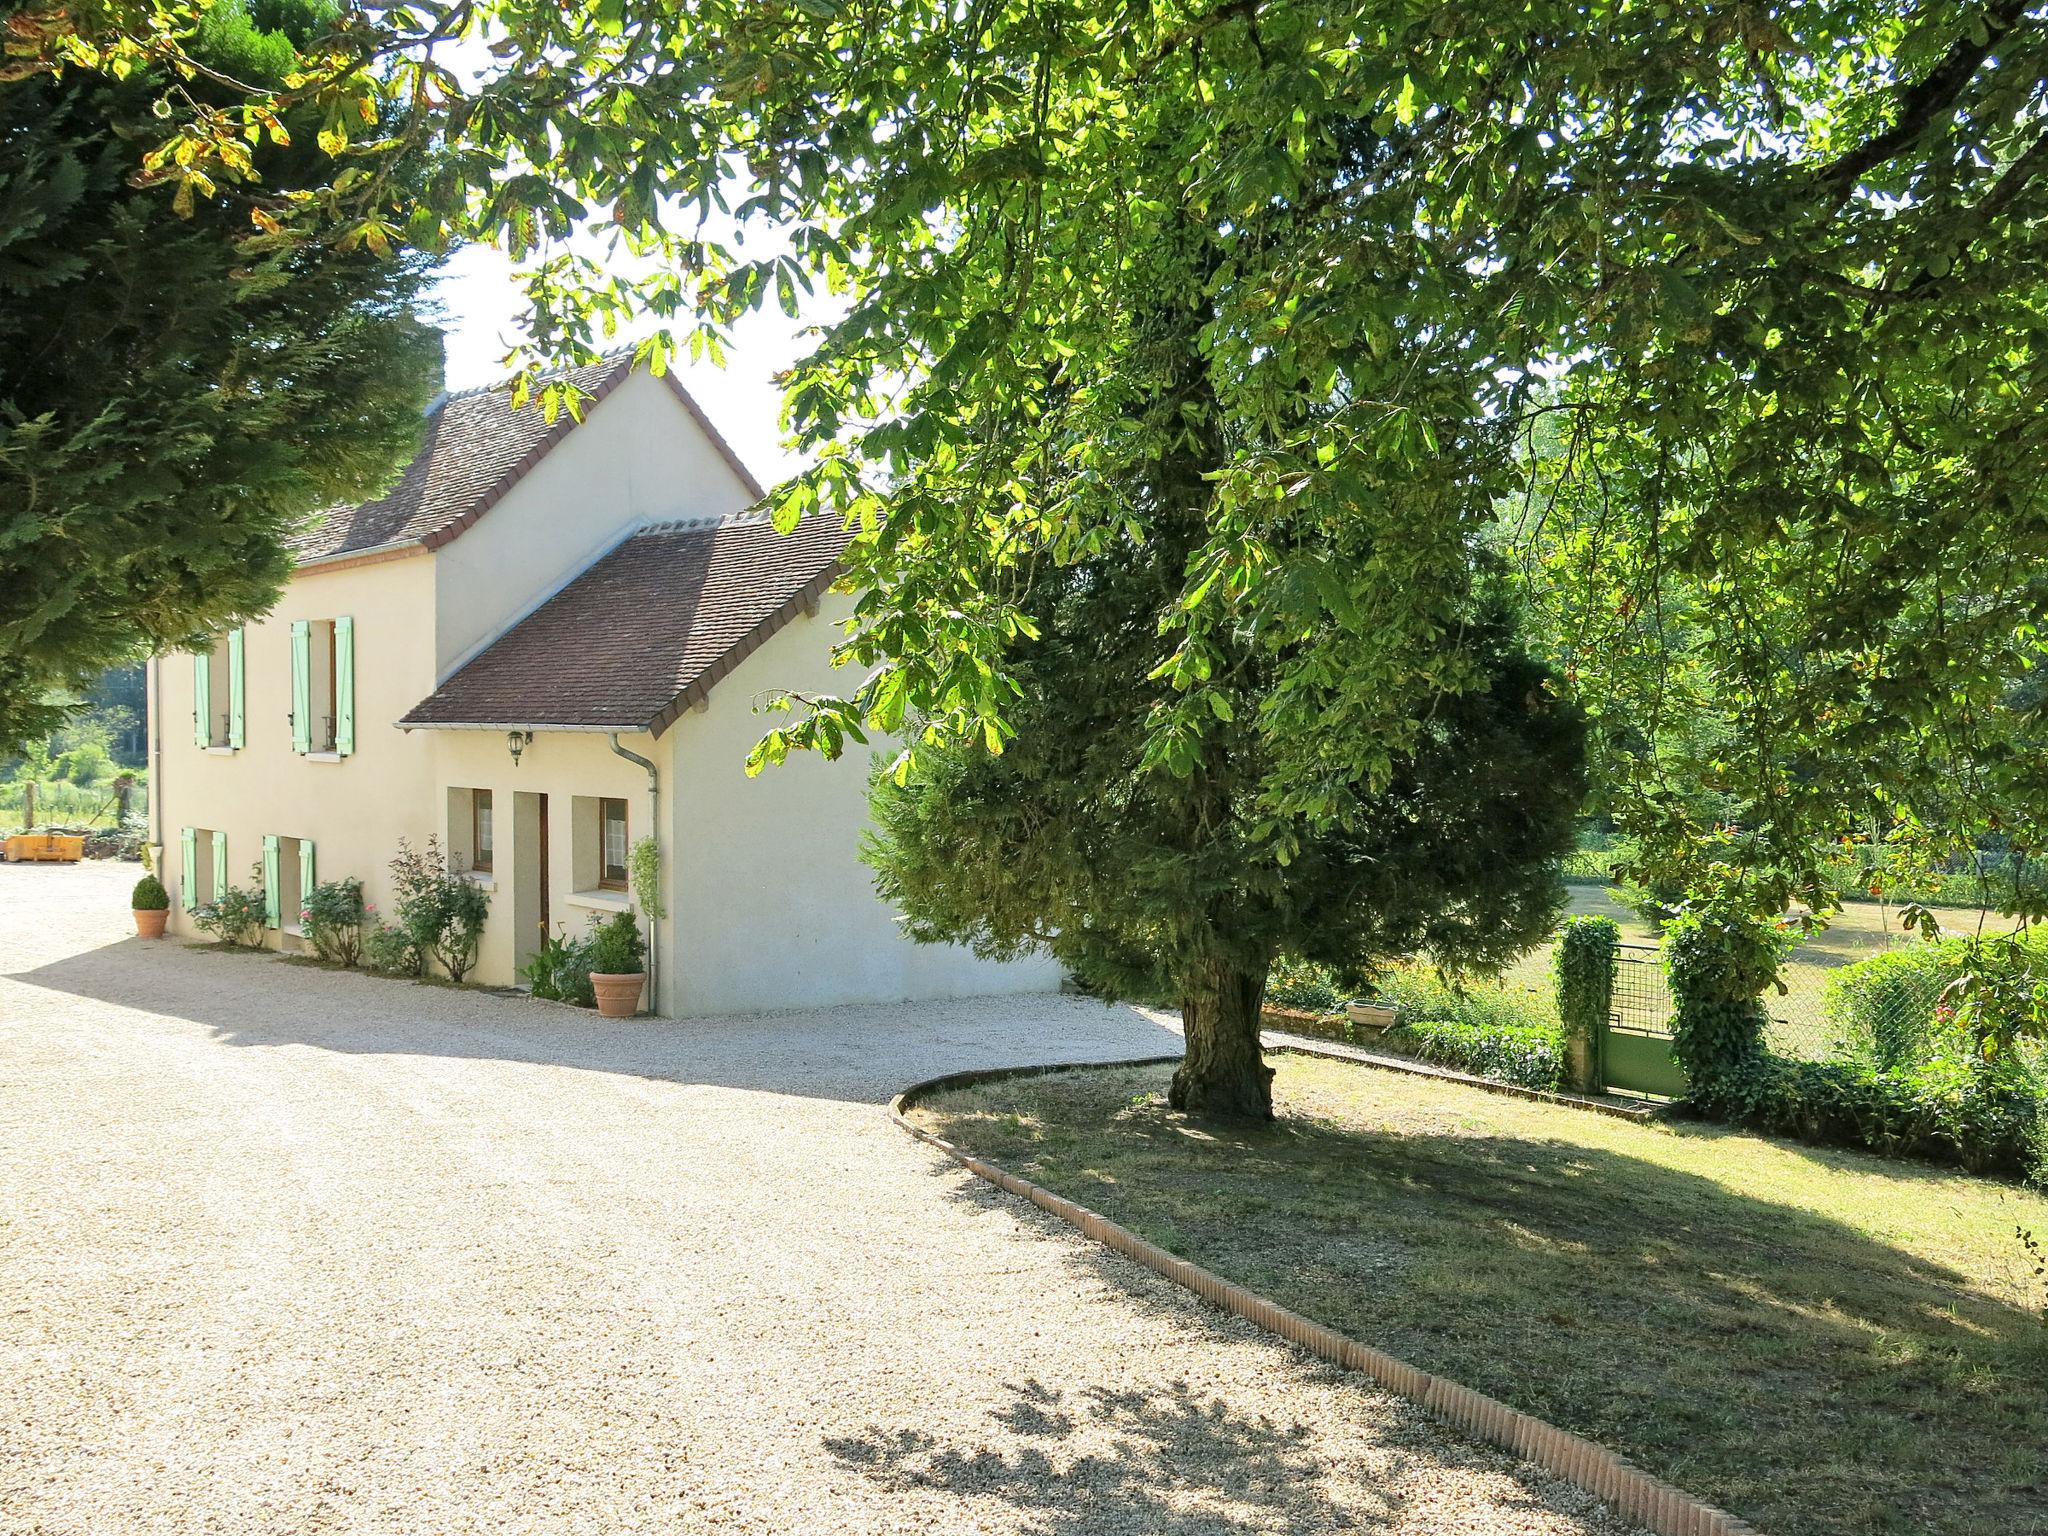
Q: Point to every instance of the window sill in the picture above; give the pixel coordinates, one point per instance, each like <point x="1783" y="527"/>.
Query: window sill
<point x="324" y="757"/>
<point x="219" y="751"/>
<point x="601" y="901"/>
<point x="486" y="878"/>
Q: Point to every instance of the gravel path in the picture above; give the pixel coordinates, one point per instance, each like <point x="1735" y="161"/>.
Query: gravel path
<point x="293" y="1252"/>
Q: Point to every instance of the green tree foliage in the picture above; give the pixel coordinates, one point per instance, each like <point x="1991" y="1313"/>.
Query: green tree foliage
<point x="1774" y="270"/>
<point x="1186" y="885"/>
<point x="174" y="392"/>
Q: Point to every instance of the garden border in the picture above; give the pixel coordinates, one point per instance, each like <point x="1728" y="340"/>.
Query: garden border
<point x="1624" y="1487"/>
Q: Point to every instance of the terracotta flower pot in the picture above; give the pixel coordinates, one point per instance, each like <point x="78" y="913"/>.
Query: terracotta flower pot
<point x="149" y="922"/>
<point x="618" y="993"/>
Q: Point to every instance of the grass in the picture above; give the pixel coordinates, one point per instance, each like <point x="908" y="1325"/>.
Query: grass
<point x="1826" y="1343"/>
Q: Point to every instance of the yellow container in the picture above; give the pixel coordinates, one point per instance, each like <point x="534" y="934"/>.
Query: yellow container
<point x="46" y="847"/>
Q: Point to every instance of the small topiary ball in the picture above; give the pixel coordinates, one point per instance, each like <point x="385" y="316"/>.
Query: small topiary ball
<point x="150" y="895"/>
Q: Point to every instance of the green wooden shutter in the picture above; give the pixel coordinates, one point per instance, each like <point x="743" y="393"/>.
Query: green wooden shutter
<point x="220" y="864"/>
<point x="188" y="882"/>
<point x="306" y="880"/>
<point x="302" y="686"/>
<point x="237" y="693"/>
<point x="202" y="702"/>
<point x="344" y="686"/>
<point x="273" y="871"/>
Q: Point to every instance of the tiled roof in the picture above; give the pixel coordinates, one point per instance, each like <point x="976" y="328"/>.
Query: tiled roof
<point x="477" y="448"/>
<point x="642" y="634"/>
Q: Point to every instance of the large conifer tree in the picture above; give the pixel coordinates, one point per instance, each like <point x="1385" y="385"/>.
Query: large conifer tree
<point x="174" y="392"/>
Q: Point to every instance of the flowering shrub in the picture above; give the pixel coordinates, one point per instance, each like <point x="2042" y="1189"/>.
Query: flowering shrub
<point x="441" y="913"/>
<point x="390" y="949"/>
<point x="235" y="917"/>
<point x="333" y="917"/>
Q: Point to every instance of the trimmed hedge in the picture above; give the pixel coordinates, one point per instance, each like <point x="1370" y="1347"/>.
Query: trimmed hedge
<point x="1957" y="1109"/>
<point x="1527" y="1055"/>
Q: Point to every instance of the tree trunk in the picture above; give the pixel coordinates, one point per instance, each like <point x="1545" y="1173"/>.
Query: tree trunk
<point x="1224" y="1074"/>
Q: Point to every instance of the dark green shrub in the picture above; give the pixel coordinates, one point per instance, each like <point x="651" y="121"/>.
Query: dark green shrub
<point x="616" y="948"/>
<point x="1958" y="1109"/>
<point x="1584" y="963"/>
<point x="332" y="916"/>
<point x="442" y="913"/>
<point x="1529" y="1055"/>
<point x="150" y="895"/>
<point x="392" y="951"/>
<point x="560" y="971"/>
<point x="1719" y="963"/>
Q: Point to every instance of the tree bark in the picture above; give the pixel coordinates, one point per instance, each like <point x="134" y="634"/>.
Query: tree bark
<point x="1224" y="1073"/>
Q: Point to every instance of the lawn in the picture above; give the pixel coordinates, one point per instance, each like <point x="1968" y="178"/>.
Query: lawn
<point x="1826" y="1343"/>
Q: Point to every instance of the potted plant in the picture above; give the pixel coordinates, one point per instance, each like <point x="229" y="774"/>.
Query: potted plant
<point x="152" y="904"/>
<point x="618" y="966"/>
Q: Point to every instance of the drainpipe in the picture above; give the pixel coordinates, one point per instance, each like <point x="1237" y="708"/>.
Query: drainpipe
<point x="153" y="703"/>
<point x="654" y="818"/>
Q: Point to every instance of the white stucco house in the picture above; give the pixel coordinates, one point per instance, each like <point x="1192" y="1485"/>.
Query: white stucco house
<point x="548" y="641"/>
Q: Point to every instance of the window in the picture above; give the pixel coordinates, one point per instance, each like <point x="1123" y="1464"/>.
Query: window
<point x="202" y="867"/>
<point x="611" y="817"/>
<point x="217" y="693"/>
<point x="323" y="687"/>
<point x="482" y="845"/>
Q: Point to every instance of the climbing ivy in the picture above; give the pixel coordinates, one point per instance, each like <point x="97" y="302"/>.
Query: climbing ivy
<point x="1585" y="974"/>
<point x="1719" y="961"/>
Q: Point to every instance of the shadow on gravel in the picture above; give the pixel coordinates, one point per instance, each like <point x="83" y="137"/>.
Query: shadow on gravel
<point x="1168" y="1463"/>
<point x="856" y="1053"/>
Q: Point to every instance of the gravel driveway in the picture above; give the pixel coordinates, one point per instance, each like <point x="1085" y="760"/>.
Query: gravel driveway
<point x="296" y="1252"/>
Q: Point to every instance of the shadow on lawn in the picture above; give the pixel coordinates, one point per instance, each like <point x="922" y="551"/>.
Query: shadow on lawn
<point x="1170" y="1463"/>
<point x="1779" y="1363"/>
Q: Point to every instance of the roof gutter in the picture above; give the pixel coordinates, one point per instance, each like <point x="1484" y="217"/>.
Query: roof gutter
<point x="513" y="725"/>
<point x="395" y="549"/>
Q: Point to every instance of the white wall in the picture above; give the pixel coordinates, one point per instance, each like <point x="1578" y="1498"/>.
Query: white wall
<point x="637" y="457"/>
<point x="772" y="906"/>
<point x="566" y="766"/>
<point x="354" y="809"/>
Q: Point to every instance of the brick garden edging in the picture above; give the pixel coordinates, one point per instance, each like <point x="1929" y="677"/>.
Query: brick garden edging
<point x="1625" y="1488"/>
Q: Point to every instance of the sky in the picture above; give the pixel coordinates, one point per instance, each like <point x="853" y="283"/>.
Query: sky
<point x="481" y="303"/>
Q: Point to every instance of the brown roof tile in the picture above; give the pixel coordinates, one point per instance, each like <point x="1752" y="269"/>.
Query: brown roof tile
<point x="644" y="632"/>
<point x="477" y="448"/>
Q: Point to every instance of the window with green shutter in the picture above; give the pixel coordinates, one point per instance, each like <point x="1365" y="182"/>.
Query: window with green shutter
<point x="306" y="878"/>
<point x="202" y="699"/>
<point x="220" y="863"/>
<point x="238" y="736"/>
<point x="345" y="685"/>
<point x="188" y="867"/>
<point x="324" y="686"/>
<point x="273" y="908"/>
<point x="302" y="686"/>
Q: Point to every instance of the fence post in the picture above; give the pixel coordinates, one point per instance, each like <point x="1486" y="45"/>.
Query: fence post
<point x="1584" y="961"/>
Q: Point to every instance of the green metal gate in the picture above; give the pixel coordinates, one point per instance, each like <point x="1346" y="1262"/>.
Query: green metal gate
<point x="1635" y="1045"/>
